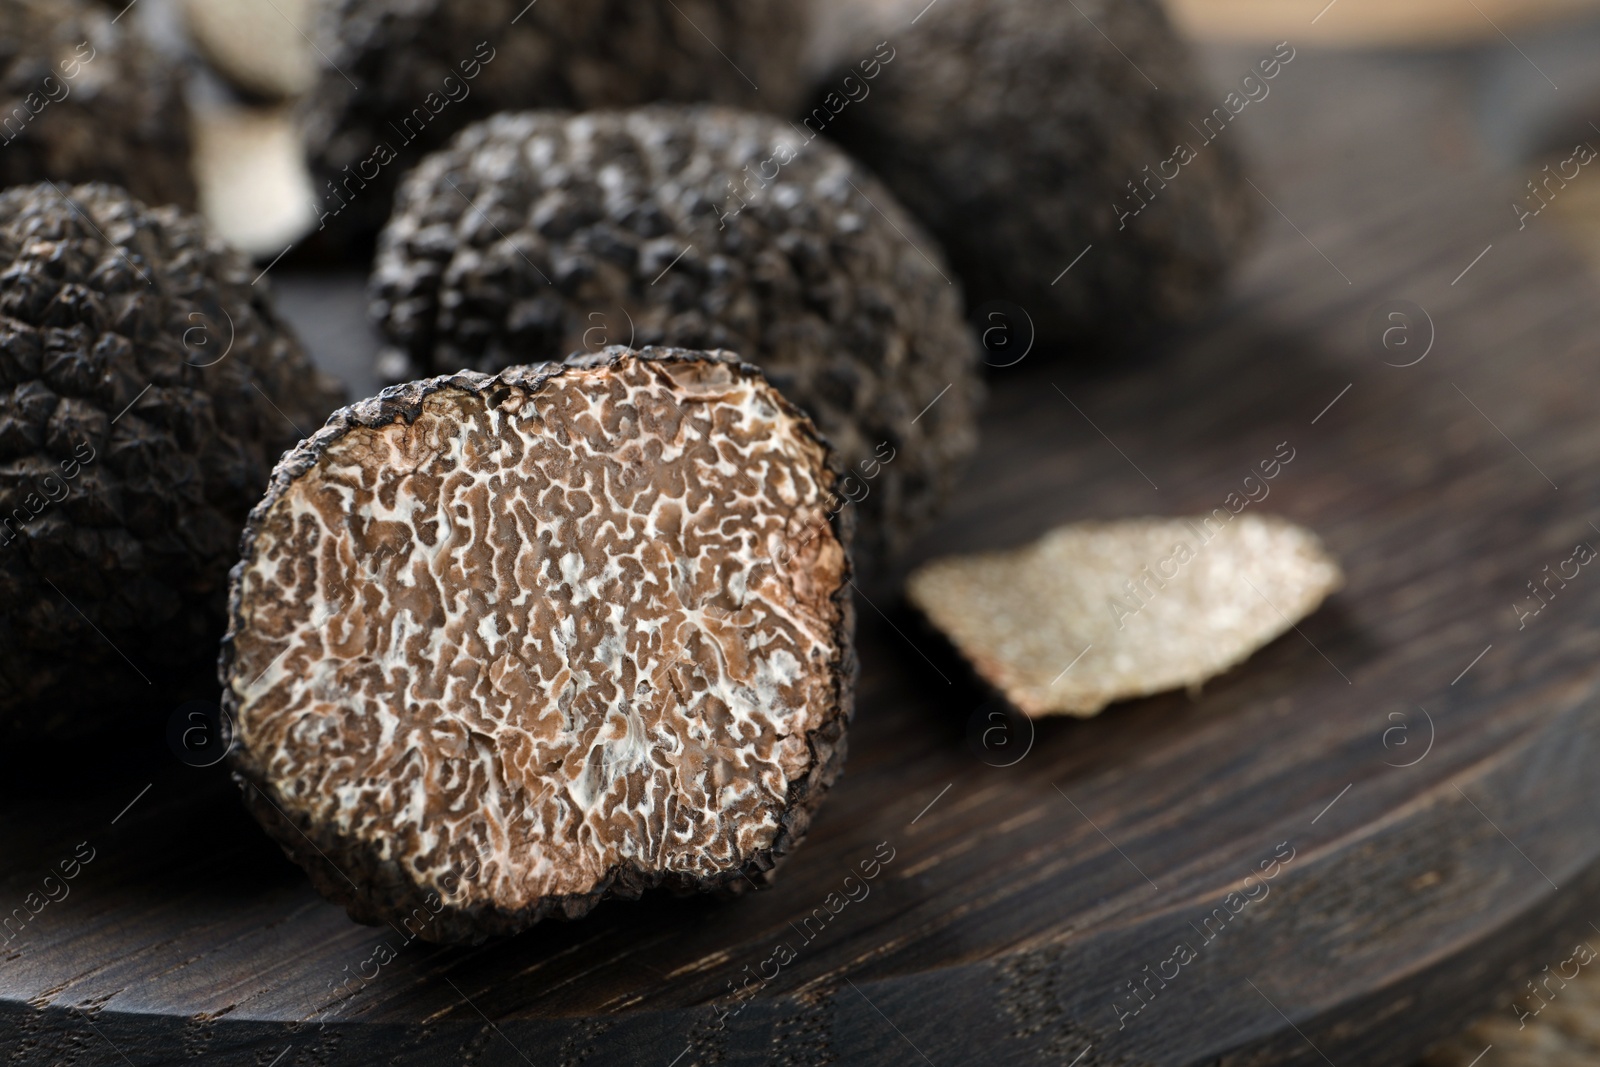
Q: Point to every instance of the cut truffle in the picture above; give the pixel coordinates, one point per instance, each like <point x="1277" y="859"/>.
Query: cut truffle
<point x="541" y="233"/>
<point x="402" y="76"/>
<point x="85" y="100"/>
<point x="1097" y="612"/>
<point x="1025" y="134"/>
<point x="502" y="646"/>
<point x="146" y="389"/>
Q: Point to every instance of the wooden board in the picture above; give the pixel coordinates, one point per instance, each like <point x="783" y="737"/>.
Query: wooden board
<point x="1425" y="757"/>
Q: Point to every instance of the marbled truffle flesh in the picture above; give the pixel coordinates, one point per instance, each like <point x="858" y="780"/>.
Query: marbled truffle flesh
<point x="538" y="234"/>
<point x="1021" y="136"/>
<point x="420" y="70"/>
<point x="146" y="390"/>
<point x="83" y="99"/>
<point x="505" y="645"/>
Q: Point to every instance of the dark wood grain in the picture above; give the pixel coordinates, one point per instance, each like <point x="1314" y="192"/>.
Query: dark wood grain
<point x="1020" y="901"/>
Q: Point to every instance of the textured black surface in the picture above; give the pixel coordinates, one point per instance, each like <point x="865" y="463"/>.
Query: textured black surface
<point x="146" y="388"/>
<point x="1013" y="129"/>
<point x="83" y="99"/>
<point x="407" y="74"/>
<point x="538" y="234"/>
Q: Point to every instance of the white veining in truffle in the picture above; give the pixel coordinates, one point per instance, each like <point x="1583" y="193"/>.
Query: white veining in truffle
<point x="556" y="631"/>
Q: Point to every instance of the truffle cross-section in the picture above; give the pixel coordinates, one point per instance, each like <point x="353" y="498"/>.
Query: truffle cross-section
<point x="504" y="645"/>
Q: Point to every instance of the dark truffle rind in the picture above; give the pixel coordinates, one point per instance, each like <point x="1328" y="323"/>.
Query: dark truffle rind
<point x="421" y="70"/>
<point x="537" y="234"/>
<point x="1013" y="129"/>
<point x="146" y="389"/>
<point x="353" y="869"/>
<point x="87" y="101"/>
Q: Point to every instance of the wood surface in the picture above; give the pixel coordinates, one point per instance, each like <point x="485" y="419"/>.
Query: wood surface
<point x="1021" y="900"/>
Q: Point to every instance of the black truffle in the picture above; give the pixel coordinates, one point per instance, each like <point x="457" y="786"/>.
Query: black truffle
<point x="502" y="646"/>
<point x="405" y="75"/>
<point x="1020" y="132"/>
<point x="85" y="100"/>
<point x="537" y="234"/>
<point x="146" y="388"/>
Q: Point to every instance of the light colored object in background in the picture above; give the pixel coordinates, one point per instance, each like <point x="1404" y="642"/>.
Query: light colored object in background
<point x="255" y="189"/>
<point x="1096" y="612"/>
<point x="841" y="28"/>
<point x="261" y="46"/>
<point x="1367" y="22"/>
<point x="1575" y="213"/>
<point x="1527" y="1030"/>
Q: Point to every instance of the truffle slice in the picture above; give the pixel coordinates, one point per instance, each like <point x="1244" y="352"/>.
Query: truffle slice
<point x="86" y="100"/>
<point x="538" y="234"/>
<point x="420" y="70"/>
<point x="1097" y="612"/>
<point x="504" y="646"/>
<point x="1023" y="132"/>
<point x="146" y="389"/>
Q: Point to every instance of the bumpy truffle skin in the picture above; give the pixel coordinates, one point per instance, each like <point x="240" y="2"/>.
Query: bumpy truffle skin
<point x="146" y="389"/>
<point x="84" y="100"/>
<point x="538" y="234"/>
<point x="1013" y="128"/>
<point x="503" y="646"/>
<point x="421" y="70"/>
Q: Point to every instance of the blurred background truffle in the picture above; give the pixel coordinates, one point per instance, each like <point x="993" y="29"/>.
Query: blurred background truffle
<point x="401" y="76"/>
<point x="85" y="99"/>
<point x="1024" y="141"/>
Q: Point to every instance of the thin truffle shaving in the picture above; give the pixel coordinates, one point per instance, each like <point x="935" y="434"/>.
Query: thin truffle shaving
<point x="1100" y="611"/>
<point x="547" y="629"/>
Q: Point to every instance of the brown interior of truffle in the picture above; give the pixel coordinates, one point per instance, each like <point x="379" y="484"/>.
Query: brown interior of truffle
<point x="533" y="635"/>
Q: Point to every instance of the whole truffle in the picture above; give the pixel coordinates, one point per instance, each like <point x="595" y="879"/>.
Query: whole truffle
<point x="146" y="389"/>
<point x="1024" y="133"/>
<point x="538" y="234"/>
<point x="85" y="100"/>
<point x="402" y="76"/>
<point x="502" y="646"/>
